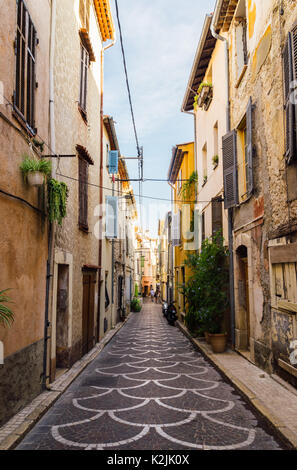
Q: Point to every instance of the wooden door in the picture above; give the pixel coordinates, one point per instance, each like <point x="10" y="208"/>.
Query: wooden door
<point x="88" y="333"/>
<point x="247" y="295"/>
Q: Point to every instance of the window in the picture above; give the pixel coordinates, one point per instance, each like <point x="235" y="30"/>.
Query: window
<point x="204" y="163"/>
<point x="241" y="39"/>
<point x="215" y="145"/>
<point x="107" y="300"/>
<point x="216" y="215"/>
<point x="83" y="193"/>
<point x="84" y="65"/>
<point x="25" y="51"/>
<point x="290" y="84"/>
<point x="238" y="154"/>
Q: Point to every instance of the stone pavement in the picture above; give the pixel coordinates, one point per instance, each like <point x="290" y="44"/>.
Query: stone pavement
<point x="271" y="396"/>
<point x="150" y="389"/>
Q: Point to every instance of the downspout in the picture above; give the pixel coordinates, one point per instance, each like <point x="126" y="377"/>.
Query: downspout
<point x="230" y="210"/>
<point x="101" y="184"/>
<point x="51" y="231"/>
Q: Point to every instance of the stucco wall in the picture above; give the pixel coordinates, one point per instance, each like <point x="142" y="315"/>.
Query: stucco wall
<point x="23" y="241"/>
<point x="72" y="130"/>
<point x="267" y="209"/>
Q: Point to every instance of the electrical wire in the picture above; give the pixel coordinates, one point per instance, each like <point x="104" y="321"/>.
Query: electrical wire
<point x="127" y="79"/>
<point x="135" y="195"/>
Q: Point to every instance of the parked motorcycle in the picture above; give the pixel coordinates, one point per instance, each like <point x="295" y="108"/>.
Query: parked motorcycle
<point x="165" y="308"/>
<point x="171" y="314"/>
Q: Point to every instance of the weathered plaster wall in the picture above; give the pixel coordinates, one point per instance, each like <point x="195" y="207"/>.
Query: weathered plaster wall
<point x="71" y="130"/>
<point x="23" y="241"/>
<point x="263" y="81"/>
<point x="205" y="123"/>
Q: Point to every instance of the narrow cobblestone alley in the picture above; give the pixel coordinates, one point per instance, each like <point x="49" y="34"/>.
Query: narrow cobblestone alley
<point x="149" y="390"/>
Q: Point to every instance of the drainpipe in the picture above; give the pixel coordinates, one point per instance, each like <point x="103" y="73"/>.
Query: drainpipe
<point x="230" y="211"/>
<point x="51" y="231"/>
<point x="101" y="184"/>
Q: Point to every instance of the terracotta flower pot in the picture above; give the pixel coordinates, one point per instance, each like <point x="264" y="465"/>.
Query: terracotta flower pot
<point x="35" y="178"/>
<point x="218" y="343"/>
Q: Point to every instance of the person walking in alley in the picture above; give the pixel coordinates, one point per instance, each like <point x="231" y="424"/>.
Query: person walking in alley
<point x="152" y="294"/>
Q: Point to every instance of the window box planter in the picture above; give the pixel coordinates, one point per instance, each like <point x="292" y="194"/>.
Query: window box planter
<point x="205" y="93"/>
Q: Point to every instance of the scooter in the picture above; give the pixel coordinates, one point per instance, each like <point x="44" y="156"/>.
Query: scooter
<point x="164" y="308"/>
<point x="171" y="314"/>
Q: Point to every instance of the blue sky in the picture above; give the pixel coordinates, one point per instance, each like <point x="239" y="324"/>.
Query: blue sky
<point x="160" y="40"/>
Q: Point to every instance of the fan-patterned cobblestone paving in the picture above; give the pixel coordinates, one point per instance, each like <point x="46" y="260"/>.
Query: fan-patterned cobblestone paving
<point x="150" y="390"/>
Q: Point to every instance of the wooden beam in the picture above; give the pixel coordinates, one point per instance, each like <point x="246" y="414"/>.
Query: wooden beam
<point x="283" y="253"/>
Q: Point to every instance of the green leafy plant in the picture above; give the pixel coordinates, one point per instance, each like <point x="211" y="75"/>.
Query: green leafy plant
<point x="204" y="180"/>
<point x="204" y="85"/>
<point x="57" y="200"/>
<point x="189" y="186"/>
<point x="136" y="305"/>
<point x="6" y="314"/>
<point x="215" y="160"/>
<point x="206" y="290"/>
<point x="29" y="165"/>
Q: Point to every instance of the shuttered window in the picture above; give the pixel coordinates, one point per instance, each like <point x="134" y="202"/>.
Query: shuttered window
<point x="230" y="169"/>
<point x="83" y="193"/>
<point x="290" y="74"/>
<point x="84" y="65"/>
<point x="217" y="215"/>
<point x="111" y="217"/>
<point x="176" y="229"/>
<point x="249" y="149"/>
<point x="25" y="51"/>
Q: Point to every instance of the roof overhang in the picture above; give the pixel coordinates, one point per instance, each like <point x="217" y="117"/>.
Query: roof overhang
<point x="105" y="20"/>
<point x="202" y="58"/>
<point x="175" y="164"/>
<point x="111" y="132"/>
<point x="224" y="13"/>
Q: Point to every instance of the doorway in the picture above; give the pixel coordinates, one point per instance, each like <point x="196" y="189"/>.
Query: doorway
<point x="243" y="291"/>
<point x="62" y="309"/>
<point x="88" y="307"/>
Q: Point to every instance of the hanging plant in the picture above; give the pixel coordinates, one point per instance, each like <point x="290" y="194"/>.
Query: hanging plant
<point x="57" y="200"/>
<point x="189" y="186"/>
<point x="35" y="171"/>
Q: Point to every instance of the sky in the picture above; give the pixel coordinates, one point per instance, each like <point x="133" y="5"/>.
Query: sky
<point x="160" y="40"/>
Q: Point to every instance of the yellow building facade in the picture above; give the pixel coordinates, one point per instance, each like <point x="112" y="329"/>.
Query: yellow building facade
<point x="183" y="181"/>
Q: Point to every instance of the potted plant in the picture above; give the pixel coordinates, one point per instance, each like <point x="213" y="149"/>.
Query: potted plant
<point x="6" y="314"/>
<point x="136" y="305"/>
<point x="204" y="180"/>
<point x="35" y="171"/>
<point x="215" y="161"/>
<point x="206" y="290"/>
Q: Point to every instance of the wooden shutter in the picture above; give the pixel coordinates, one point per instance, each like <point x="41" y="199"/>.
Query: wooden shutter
<point x="294" y="87"/>
<point x="111" y="217"/>
<point x="25" y="51"/>
<point x="289" y="105"/>
<point x="230" y="169"/>
<point x="83" y="193"/>
<point x="217" y="215"/>
<point x="113" y="162"/>
<point x="250" y="147"/>
<point x="176" y="229"/>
